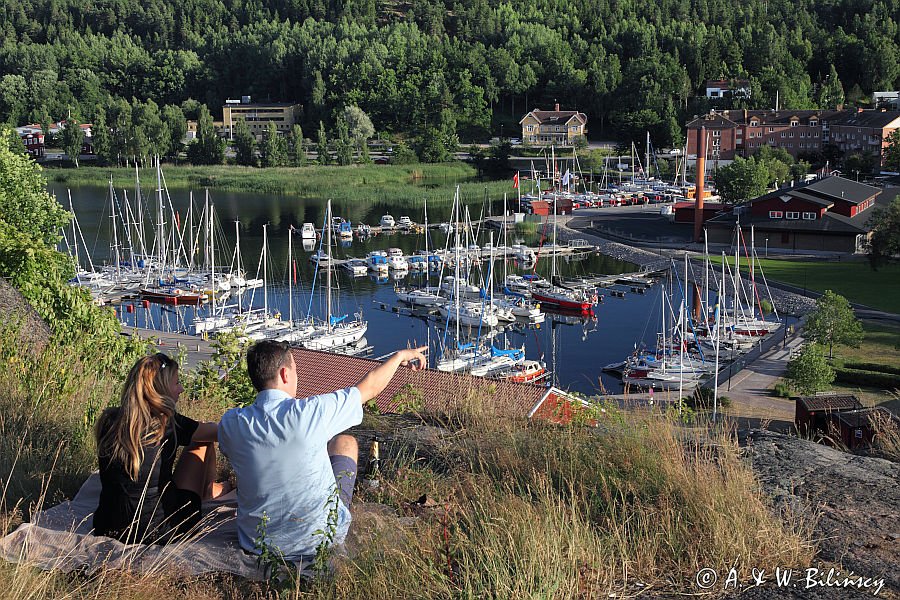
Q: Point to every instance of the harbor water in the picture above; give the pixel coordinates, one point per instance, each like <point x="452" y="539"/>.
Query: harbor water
<point x="575" y="347"/>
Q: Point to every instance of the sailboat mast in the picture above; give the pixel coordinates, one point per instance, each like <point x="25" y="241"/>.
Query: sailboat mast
<point x="290" y="275"/>
<point x="115" y="246"/>
<point x="160" y="234"/>
<point x="265" y="259"/>
<point x="214" y="285"/>
<point x="322" y="257"/>
<point x="647" y="159"/>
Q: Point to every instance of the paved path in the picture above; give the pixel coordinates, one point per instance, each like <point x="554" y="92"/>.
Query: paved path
<point x="749" y="390"/>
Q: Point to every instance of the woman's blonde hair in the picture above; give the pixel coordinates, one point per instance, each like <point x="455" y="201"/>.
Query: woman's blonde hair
<point x="145" y="411"/>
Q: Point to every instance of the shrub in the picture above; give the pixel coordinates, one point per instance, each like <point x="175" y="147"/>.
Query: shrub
<point x="782" y="389"/>
<point x="864" y="366"/>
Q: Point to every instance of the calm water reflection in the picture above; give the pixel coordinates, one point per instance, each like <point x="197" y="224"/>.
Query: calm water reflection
<point x="577" y="347"/>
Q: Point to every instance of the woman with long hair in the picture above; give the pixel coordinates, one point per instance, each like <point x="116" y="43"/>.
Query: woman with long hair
<point x="145" y="496"/>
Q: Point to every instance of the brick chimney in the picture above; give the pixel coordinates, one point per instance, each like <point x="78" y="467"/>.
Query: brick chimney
<point x="556" y="107"/>
<point x="700" y="166"/>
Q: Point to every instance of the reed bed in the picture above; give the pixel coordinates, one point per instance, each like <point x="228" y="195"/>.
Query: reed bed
<point x="397" y="184"/>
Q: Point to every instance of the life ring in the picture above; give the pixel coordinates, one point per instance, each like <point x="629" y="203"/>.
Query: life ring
<point x="177" y="291"/>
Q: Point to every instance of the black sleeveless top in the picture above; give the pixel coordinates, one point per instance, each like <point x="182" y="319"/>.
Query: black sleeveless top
<point x="128" y="507"/>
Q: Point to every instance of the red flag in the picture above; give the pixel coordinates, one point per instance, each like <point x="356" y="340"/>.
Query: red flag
<point x="516" y="181"/>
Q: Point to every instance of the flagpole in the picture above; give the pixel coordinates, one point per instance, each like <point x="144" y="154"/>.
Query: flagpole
<point x="519" y="189"/>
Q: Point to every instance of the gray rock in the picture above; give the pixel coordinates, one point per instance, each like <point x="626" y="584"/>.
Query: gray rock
<point x="852" y="499"/>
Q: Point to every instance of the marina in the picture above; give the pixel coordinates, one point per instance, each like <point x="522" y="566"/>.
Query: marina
<point x="507" y="329"/>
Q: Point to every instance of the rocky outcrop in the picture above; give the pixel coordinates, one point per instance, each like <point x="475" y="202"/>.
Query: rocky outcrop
<point x="16" y="312"/>
<point x="853" y="500"/>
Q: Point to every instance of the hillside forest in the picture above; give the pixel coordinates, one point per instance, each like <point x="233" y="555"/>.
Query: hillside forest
<point x="445" y="67"/>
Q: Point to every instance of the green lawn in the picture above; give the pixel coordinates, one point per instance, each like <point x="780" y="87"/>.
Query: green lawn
<point x="881" y="345"/>
<point x="852" y="278"/>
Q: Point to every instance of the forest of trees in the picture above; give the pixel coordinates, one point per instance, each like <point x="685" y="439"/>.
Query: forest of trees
<point x="445" y="67"/>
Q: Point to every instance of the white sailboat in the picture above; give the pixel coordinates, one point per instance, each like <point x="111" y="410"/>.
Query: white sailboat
<point x="335" y="332"/>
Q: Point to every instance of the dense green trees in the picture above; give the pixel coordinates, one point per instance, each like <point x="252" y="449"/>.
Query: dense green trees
<point x="208" y="148"/>
<point x="631" y="67"/>
<point x="810" y="372"/>
<point x="885" y="242"/>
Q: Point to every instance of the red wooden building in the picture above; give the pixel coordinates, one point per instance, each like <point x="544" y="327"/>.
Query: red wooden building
<point x="828" y="214"/>
<point x="543" y="207"/>
<point x="839" y="419"/>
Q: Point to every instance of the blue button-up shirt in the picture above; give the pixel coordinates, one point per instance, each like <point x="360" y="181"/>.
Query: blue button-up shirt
<point x="278" y="448"/>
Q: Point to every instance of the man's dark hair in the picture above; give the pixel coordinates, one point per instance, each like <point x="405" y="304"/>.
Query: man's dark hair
<point x="264" y="359"/>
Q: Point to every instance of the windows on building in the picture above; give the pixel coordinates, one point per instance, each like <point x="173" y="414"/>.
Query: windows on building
<point x="775" y="214"/>
<point x="783" y="134"/>
<point x="813" y="123"/>
<point x="792" y="215"/>
<point x="809" y="216"/>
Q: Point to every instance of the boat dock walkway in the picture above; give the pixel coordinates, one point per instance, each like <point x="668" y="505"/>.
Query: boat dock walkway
<point x="196" y="348"/>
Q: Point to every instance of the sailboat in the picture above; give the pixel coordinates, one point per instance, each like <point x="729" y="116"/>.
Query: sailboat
<point x="578" y="299"/>
<point x="335" y="332"/>
<point x="427" y="295"/>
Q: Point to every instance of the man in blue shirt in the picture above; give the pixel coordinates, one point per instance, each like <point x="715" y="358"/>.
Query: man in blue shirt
<point x="291" y="461"/>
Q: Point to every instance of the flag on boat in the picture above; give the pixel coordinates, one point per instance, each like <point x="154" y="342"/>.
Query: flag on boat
<point x="516" y="181"/>
<point x="567" y="176"/>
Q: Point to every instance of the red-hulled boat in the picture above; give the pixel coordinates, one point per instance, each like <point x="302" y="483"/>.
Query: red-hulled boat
<point x="578" y="300"/>
<point x="525" y="372"/>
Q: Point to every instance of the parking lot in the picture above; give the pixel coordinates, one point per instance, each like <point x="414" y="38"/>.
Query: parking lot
<point x="639" y="223"/>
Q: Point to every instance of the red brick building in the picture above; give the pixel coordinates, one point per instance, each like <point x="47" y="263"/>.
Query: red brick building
<point x="733" y="133"/>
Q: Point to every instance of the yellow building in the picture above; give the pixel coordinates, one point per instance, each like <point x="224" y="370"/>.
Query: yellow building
<point x="553" y="127"/>
<point x="284" y="114"/>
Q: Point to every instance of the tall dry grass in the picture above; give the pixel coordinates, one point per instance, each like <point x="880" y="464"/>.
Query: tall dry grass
<point x="529" y="510"/>
<point x="512" y="508"/>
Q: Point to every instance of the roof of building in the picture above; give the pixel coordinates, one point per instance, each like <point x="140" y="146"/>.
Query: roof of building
<point x="735" y="117"/>
<point x="432" y="390"/>
<point x="715" y="120"/>
<point x="234" y="105"/>
<point x="822" y="192"/>
<point x="876" y="119"/>
<point x="830" y="402"/>
<point x="864" y="417"/>
<point x="556" y="116"/>
<point x="839" y="188"/>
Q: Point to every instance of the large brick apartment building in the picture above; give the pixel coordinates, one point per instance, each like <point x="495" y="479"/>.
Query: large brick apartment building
<point x="732" y="133"/>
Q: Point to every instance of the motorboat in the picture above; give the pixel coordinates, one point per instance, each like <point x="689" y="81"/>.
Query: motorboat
<point x="396" y="260"/>
<point x="308" y="231"/>
<point x="356" y="266"/>
<point x="321" y="258"/>
<point x="528" y="371"/>
<point x="404" y="222"/>
<point x="387" y="222"/>
<point x="377" y="261"/>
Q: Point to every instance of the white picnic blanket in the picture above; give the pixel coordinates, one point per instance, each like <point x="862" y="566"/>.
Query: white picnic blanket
<point x="60" y="538"/>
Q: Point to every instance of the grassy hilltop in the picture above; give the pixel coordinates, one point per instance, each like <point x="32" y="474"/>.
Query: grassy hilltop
<point x="513" y="508"/>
